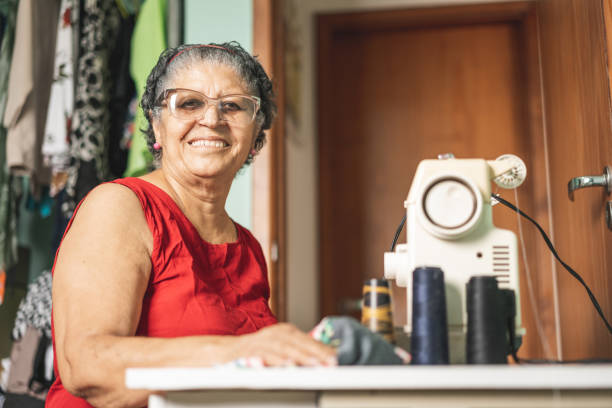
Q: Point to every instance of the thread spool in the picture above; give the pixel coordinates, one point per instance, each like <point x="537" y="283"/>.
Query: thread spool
<point x="429" y="339"/>
<point x="509" y="301"/>
<point x="376" y="312"/>
<point x="486" y="333"/>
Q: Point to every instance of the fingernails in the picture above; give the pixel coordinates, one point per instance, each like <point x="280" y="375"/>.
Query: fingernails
<point x="331" y="361"/>
<point x="403" y="354"/>
<point x="313" y="362"/>
<point x="289" y="363"/>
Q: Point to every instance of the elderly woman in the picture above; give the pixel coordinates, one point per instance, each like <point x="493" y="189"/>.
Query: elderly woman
<point x="152" y="271"/>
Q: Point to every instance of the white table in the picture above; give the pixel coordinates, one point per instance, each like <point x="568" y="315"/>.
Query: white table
<point x="535" y="386"/>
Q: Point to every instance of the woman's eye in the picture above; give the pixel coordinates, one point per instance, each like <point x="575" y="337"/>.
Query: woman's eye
<point x="191" y="104"/>
<point x="230" y="107"/>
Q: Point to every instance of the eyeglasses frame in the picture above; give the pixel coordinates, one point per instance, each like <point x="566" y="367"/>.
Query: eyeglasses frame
<point x="167" y="92"/>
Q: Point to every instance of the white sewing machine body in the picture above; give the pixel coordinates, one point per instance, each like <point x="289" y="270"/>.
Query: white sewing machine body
<point x="450" y="225"/>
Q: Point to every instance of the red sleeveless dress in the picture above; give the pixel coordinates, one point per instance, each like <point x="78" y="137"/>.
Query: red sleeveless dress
<point x="195" y="288"/>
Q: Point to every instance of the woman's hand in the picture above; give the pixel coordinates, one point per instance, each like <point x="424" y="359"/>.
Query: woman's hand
<point x="284" y="345"/>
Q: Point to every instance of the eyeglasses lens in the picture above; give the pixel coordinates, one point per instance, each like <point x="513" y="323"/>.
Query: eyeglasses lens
<point x="191" y="105"/>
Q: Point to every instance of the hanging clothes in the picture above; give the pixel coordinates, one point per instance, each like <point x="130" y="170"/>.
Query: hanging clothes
<point x="10" y="194"/>
<point x="8" y="199"/>
<point x="99" y="26"/>
<point x="8" y="8"/>
<point x="56" y="146"/>
<point x="29" y="86"/>
<point x="28" y="371"/>
<point x="2" y="25"/>
<point x="22" y="358"/>
<point x="31" y="357"/>
<point x="35" y="308"/>
<point x="148" y="42"/>
<point x="123" y="91"/>
<point x="129" y="7"/>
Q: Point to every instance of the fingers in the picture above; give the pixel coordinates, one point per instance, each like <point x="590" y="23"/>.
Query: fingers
<point x="309" y="348"/>
<point x="285" y="345"/>
<point x="290" y="346"/>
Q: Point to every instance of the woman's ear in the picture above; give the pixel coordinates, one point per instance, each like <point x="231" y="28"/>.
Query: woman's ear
<point x="258" y="131"/>
<point x="154" y="124"/>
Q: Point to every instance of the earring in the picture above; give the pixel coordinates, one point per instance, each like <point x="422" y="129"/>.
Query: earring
<point x="253" y="152"/>
<point x="156" y="146"/>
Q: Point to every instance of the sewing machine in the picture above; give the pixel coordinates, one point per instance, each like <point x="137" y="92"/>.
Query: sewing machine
<point x="450" y="225"/>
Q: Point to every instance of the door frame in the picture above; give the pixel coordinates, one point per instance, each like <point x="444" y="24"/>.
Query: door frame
<point x="268" y="194"/>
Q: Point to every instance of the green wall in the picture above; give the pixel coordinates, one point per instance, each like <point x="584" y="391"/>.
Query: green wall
<point x="222" y="21"/>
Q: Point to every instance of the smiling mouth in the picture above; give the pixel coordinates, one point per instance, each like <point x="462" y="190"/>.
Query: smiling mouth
<point x="209" y="144"/>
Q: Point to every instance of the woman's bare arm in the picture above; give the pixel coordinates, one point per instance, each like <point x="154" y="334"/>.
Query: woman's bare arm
<point x="100" y="278"/>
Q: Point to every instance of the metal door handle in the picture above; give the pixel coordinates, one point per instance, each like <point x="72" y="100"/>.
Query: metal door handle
<point x="590" y="181"/>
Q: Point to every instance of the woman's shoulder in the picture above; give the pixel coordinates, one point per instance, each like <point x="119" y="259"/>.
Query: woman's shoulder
<point x="112" y="195"/>
<point x="109" y="214"/>
<point x="110" y="206"/>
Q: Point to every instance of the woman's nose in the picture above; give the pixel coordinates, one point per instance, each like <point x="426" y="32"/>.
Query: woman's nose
<point x="211" y="116"/>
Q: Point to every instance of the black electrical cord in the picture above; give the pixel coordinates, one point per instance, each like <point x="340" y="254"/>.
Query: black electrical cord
<point x="552" y="249"/>
<point x="397" y="233"/>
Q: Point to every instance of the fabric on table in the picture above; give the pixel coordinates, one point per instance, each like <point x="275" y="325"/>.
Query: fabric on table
<point x="356" y="344"/>
<point x="244" y="362"/>
<point x="148" y="42"/>
<point x="195" y="288"/>
<point x="99" y="26"/>
<point x="29" y="86"/>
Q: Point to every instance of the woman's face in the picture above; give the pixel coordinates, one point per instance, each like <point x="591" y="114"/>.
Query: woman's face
<point x="207" y="147"/>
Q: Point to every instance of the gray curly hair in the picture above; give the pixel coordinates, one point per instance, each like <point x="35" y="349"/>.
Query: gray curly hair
<point x="231" y="54"/>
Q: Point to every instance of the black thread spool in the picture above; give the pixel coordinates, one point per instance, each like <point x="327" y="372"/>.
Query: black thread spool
<point x="429" y="340"/>
<point x="486" y="330"/>
<point x="509" y="300"/>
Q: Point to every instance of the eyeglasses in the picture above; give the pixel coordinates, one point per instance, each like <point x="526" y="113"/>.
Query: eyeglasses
<point x="189" y="105"/>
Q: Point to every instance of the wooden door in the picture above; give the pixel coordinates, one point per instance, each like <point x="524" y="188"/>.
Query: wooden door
<point x="396" y="87"/>
<point x="577" y="95"/>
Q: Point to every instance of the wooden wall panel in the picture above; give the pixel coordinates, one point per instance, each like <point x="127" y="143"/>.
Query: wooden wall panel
<point x="577" y="99"/>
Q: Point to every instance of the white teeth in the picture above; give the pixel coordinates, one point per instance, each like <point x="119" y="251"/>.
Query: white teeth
<point x="208" y="143"/>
